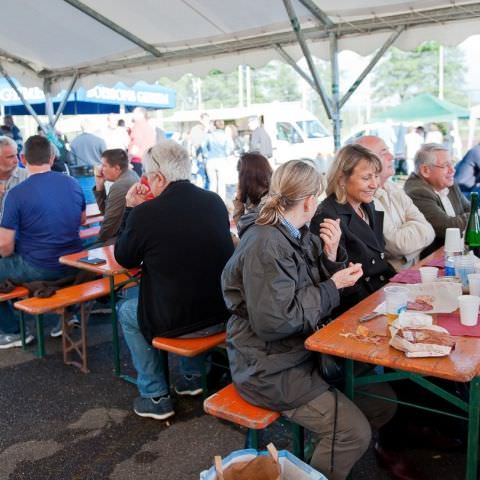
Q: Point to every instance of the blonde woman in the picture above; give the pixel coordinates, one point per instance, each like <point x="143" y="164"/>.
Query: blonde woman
<point x="351" y="184"/>
<point x="281" y="285"/>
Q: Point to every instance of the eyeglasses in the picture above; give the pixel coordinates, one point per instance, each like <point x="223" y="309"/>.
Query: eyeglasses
<point x="445" y="165"/>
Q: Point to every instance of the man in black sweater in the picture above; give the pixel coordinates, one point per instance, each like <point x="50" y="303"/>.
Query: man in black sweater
<point x="181" y="239"/>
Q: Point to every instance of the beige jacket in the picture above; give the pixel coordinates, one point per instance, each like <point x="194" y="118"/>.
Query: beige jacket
<point x="405" y="228"/>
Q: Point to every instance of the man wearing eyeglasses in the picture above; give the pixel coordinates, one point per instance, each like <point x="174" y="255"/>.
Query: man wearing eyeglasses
<point x="434" y="192"/>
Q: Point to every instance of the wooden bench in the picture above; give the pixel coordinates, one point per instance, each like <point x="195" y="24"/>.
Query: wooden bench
<point x="58" y="303"/>
<point x="17" y="292"/>
<point x="90" y="232"/>
<point x="227" y="404"/>
<point x="188" y="347"/>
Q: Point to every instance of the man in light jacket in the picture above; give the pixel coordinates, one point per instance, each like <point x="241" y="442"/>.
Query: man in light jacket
<point x="405" y="229"/>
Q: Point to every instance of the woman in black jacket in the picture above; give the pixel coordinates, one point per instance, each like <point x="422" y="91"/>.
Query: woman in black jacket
<point x="352" y="182"/>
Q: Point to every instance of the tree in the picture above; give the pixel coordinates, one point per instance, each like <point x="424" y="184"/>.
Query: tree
<point x="275" y="82"/>
<point x="406" y="74"/>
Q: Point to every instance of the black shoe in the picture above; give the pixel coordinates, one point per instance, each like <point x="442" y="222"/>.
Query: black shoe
<point x="160" y="409"/>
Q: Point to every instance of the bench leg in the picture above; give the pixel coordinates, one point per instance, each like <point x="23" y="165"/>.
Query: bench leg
<point x="79" y="346"/>
<point x="298" y="440"/>
<point x="40" y="339"/>
<point x="251" y="440"/>
<point x="22" y="329"/>
<point x="166" y="368"/>
<point x="115" y="340"/>
<point x="203" y="377"/>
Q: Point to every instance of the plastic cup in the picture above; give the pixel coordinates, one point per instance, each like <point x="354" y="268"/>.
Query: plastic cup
<point x="396" y="299"/>
<point x="453" y="240"/>
<point x="474" y="283"/>
<point x="464" y="265"/>
<point x="428" y="274"/>
<point x="468" y="305"/>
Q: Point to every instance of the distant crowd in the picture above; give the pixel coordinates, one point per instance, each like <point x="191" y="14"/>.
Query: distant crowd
<point x="304" y="254"/>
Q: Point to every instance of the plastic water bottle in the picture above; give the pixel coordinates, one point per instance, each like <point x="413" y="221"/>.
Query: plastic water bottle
<point x="450" y="263"/>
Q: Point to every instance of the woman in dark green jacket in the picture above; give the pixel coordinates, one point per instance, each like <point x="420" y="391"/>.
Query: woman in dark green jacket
<point x="281" y="285"/>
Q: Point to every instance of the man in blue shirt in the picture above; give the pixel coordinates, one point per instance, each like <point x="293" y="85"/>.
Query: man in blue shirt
<point x="41" y="219"/>
<point x="467" y="172"/>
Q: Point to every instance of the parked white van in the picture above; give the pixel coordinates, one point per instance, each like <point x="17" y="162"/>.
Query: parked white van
<point x="294" y="131"/>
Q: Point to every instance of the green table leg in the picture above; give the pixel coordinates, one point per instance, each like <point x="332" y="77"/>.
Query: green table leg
<point x="252" y="439"/>
<point x="40" y="339"/>
<point x="298" y="440"/>
<point x="349" y="378"/>
<point x="473" y="429"/>
<point x="115" y="341"/>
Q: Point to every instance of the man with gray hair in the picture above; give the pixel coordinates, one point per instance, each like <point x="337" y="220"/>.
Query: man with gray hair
<point x="180" y="235"/>
<point x="434" y="192"/>
<point x="10" y="174"/>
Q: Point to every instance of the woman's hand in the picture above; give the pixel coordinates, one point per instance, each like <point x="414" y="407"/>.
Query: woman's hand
<point x="348" y="276"/>
<point x="330" y="234"/>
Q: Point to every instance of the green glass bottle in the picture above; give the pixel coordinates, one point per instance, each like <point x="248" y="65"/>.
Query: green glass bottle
<point x="472" y="233"/>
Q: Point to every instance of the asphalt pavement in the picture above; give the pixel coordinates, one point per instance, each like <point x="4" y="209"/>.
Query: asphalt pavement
<point x="61" y="424"/>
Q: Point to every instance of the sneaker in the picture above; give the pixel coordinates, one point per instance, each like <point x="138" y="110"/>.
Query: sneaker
<point x="158" y="409"/>
<point x="56" y="331"/>
<point x="101" y="310"/>
<point x="12" y="340"/>
<point x="189" y="385"/>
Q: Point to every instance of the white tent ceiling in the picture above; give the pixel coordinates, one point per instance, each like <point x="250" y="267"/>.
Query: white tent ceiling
<point x="146" y="39"/>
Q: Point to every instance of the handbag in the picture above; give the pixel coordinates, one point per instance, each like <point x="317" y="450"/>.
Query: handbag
<point x="332" y="369"/>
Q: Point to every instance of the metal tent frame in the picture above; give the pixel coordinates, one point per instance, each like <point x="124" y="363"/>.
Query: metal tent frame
<point x="151" y="56"/>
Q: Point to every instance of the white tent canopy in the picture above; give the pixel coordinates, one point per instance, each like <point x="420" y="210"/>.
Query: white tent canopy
<point x="106" y="41"/>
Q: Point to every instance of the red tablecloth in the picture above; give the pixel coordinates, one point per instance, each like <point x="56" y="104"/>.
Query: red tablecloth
<point x="451" y="321"/>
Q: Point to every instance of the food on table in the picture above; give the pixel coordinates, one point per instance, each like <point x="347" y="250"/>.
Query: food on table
<point x="422" y="303"/>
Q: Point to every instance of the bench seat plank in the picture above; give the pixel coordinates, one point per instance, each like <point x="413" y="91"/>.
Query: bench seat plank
<point x="227" y="404"/>
<point x="189" y="347"/>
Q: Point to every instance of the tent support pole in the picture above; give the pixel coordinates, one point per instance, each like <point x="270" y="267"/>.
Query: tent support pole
<point x="47" y="90"/>
<point x="294" y="65"/>
<point x="308" y="57"/>
<point x="114" y="27"/>
<point x="336" y="120"/>
<point x="61" y="107"/>
<point x="31" y="111"/>
<point x="318" y="13"/>
<point x="393" y="37"/>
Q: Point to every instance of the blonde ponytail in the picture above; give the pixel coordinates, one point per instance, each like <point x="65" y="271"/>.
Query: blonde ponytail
<point x="291" y="182"/>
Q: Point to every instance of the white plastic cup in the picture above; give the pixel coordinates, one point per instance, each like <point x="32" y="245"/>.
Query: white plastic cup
<point x="396" y="299"/>
<point x="453" y="241"/>
<point x="464" y="266"/>
<point x="428" y="274"/>
<point x="468" y="305"/>
<point x="474" y="283"/>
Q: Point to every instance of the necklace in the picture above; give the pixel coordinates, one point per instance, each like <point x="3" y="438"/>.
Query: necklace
<point x="362" y="214"/>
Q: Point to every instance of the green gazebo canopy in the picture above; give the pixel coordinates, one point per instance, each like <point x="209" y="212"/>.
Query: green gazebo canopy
<point x="424" y="108"/>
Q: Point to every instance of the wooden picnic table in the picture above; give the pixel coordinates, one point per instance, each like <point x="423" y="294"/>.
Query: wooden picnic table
<point x="109" y="269"/>
<point x="92" y="210"/>
<point x="462" y="365"/>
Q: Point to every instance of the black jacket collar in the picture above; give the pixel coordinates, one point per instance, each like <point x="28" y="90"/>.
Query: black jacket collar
<point x="371" y="234"/>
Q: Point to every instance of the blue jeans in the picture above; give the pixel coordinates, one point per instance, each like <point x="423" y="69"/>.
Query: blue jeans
<point x="151" y="381"/>
<point x="18" y="270"/>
